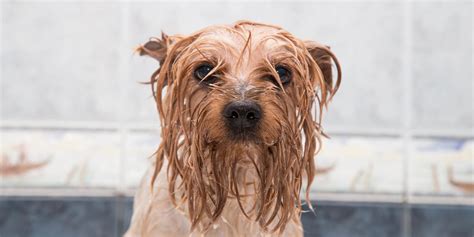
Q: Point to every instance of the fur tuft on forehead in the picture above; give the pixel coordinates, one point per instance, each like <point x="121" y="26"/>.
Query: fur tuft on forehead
<point x="206" y="166"/>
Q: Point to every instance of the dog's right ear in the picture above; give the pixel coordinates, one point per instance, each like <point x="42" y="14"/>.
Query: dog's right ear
<point x="324" y="58"/>
<point x="156" y="48"/>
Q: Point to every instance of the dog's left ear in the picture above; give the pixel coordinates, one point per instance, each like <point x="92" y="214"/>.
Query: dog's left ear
<point x="156" y="48"/>
<point x="324" y="57"/>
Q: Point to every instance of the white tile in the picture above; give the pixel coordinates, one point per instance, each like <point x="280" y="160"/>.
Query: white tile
<point x="140" y="147"/>
<point x="440" y="165"/>
<point x="59" y="158"/>
<point x="442" y="64"/>
<point x="360" y="165"/>
<point x="59" y="61"/>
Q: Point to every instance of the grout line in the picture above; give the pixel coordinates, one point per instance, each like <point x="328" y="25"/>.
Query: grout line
<point x="124" y="71"/>
<point x="1" y="65"/>
<point x="391" y="198"/>
<point x="341" y="130"/>
<point x="315" y="196"/>
<point x="355" y="197"/>
<point x="472" y="64"/>
<point x="77" y="125"/>
<point x="440" y="133"/>
<point x="407" y="112"/>
<point x="154" y="127"/>
<point x="1" y="77"/>
<point x="214" y="1"/>
<point x="59" y="192"/>
<point x="58" y="124"/>
<point x="1" y="68"/>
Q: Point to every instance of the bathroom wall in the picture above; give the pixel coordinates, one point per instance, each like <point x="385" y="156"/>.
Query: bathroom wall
<point x="75" y="120"/>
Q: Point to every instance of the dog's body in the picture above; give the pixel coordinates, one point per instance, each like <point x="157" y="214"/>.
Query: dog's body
<point x="238" y="133"/>
<point x="155" y="215"/>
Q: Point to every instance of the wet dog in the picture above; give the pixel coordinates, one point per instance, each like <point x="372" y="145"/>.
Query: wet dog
<point x="239" y="134"/>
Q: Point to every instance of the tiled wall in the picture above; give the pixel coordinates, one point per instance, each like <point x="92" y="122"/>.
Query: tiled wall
<point x="75" y="117"/>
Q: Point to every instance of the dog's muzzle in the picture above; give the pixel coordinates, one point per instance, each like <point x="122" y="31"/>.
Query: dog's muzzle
<point x="242" y="116"/>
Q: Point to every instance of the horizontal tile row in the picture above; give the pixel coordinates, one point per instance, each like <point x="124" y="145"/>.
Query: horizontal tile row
<point x="41" y="217"/>
<point x="82" y="67"/>
<point x="60" y="158"/>
<point x="100" y="159"/>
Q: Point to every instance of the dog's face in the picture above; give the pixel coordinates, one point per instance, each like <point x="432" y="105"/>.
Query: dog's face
<point x="237" y="100"/>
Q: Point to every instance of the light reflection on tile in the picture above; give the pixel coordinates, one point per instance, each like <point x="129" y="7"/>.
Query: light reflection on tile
<point x="139" y="156"/>
<point x="442" y="167"/>
<point x="367" y="165"/>
<point x="42" y="158"/>
<point x="66" y="158"/>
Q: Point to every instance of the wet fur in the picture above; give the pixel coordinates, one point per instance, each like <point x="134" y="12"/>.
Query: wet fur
<point x="216" y="184"/>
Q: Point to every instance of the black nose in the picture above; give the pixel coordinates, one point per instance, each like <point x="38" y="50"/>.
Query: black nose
<point x="242" y="115"/>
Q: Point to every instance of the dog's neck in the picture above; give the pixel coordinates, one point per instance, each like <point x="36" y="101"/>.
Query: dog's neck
<point x="232" y="221"/>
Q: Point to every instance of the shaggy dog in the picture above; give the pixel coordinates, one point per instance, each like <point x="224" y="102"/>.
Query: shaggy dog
<point x="238" y="133"/>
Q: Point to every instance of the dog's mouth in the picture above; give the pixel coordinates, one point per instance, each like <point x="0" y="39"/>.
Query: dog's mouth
<point x="244" y="135"/>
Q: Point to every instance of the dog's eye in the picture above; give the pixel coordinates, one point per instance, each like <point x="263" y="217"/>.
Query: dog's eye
<point x="201" y="72"/>
<point x="284" y="74"/>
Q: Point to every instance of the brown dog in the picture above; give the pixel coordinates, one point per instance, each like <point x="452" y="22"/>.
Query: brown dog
<point x="238" y="133"/>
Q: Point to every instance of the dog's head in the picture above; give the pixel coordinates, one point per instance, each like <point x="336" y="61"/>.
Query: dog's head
<point x="236" y="104"/>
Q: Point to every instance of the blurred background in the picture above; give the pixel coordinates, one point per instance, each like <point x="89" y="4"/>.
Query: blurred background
<point x="77" y="127"/>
